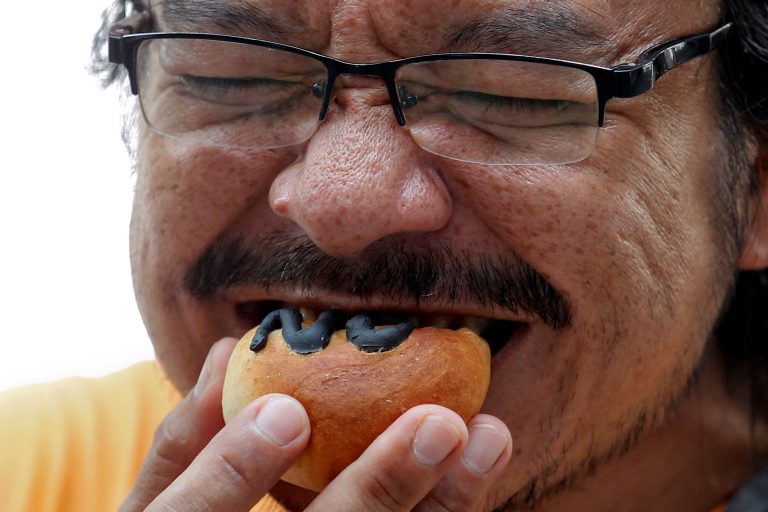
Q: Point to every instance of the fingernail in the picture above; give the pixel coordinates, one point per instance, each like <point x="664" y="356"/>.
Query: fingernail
<point x="485" y="446"/>
<point x="435" y="439"/>
<point x="205" y="376"/>
<point x="281" y="420"/>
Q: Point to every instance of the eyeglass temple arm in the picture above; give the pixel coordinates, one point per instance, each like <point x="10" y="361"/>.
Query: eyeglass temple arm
<point x="131" y="24"/>
<point x="631" y="80"/>
<point x="121" y="53"/>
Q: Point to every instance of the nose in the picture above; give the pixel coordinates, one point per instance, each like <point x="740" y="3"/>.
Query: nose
<point x="361" y="179"/>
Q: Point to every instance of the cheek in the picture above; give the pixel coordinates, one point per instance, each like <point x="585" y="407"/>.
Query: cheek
<point x="187" y="195"/>
<point x="632" y="228"/>
<point x="626" y="236"/>
<point x="629" y="241"/>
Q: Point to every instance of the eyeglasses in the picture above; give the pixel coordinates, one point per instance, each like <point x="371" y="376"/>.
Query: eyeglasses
<point x="485" y="108"/>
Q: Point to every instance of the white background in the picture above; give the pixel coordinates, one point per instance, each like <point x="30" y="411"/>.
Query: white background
<point x="66" y="302"/>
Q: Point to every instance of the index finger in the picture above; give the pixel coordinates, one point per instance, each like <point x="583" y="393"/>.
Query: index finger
<point x="184" y="432"/>
<point x="243" y="461"/>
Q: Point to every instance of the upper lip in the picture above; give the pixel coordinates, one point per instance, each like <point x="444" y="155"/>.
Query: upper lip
<point x="323" y="302"/>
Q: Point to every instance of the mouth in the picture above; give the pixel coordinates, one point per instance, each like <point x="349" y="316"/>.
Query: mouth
<point x="496" y="332"/>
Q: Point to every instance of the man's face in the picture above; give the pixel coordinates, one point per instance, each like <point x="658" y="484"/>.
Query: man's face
<point x="626" y="239"/>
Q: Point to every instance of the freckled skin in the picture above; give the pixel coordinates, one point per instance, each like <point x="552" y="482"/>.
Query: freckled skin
<point x="626" y="235"/>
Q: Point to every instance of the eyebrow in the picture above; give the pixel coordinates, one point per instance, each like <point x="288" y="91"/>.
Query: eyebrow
<point x="227" y="16"/>
<point x="552" y="27"/>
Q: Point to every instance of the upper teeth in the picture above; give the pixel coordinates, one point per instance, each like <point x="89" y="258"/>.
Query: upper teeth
<point x="308" y="315"/>
<point x="473" y="323"/>
<point x="476" y="324"/>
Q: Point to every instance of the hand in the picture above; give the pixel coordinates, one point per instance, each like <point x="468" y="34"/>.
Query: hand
<point x="427" y="460"/>
<point x="198" y="463"/>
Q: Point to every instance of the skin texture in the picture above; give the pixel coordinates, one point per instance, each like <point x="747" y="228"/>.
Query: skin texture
<point x="629" y="236"/>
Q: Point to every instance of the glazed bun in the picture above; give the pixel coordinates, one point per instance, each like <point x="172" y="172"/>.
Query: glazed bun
<point x="352" y="395"/>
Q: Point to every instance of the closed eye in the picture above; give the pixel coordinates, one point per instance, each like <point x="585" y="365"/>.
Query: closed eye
<point x="258" y="92"/>
<point x="512" y="103"/>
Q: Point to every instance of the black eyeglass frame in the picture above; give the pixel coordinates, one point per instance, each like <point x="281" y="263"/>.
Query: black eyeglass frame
<point x="621" y="81"/>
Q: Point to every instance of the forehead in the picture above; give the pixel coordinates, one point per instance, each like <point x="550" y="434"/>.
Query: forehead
<point x="368" y="30"/>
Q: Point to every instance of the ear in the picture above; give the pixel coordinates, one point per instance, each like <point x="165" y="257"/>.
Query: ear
<point x="754" y="255"/>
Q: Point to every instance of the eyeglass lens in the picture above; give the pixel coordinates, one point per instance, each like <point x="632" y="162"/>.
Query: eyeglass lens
<point x="501" y="111"/>
<point x="229" y="94"/>
<point x="488" y="111"/>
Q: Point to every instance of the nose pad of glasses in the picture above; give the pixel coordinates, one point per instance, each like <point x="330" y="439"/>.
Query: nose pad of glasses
<point x="400" y="99"/>
<point x="318" y="89"/>
<point x="406" y="97"/>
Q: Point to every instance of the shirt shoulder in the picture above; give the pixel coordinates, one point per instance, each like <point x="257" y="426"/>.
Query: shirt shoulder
<point x="77" y="444"/>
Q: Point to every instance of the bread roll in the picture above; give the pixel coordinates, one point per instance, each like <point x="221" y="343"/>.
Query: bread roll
<point x="351" y="396"/>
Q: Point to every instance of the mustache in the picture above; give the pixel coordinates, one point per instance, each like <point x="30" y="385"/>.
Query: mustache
<point x="397" y="270"/>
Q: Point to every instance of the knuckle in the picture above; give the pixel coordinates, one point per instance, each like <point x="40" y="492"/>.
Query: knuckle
<point x="170" y="447"/>
<point x="385" y="494"/>
<point x="433" y="503"/>
<point x="168" y="433"/>
<point x="452" y="497"/>
<point x="164" y="462"/>
<point x="181" y="504"/>
<point x="437" y="504"/>
<point x="168" y="507"/>
<point x="235" y="472"/>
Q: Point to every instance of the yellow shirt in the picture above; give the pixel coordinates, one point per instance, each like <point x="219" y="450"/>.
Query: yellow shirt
<point x="78" y="444"/>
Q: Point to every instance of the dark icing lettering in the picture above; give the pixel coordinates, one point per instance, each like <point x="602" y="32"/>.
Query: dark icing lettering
<point x="302" y="341"/>
<point x="361" y="330"/>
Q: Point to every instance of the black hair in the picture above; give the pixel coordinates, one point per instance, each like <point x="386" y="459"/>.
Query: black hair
<point x="741" y="335"/>
<point x="742" y="332"/>
<point x="109" y="74"/>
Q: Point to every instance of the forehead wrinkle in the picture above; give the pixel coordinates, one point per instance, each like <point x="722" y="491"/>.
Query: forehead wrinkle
<point x="230" y="17"/>
<point x="536" y="29"/>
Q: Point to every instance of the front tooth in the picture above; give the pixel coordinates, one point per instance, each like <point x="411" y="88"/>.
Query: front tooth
<point x="476" y="324"/>
<point x="308" y="315"/>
